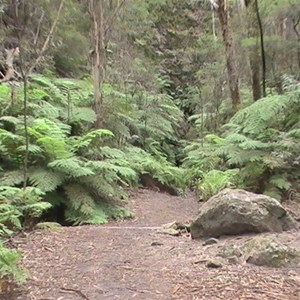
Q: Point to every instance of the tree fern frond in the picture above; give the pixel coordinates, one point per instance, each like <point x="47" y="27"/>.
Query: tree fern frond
<point x="101" y="186"/>
<point x="73" y="167"/>
<point x="79" y="198"/>
<point x="253" y="144"/>
<point x="262" y="113"/>
<point x="12" y="178"/>
<point x="54" y="147"/>
<point x="51" y="128"/>
<point x="33" y="149"/>
<point x="44" y="109"/>
<point x="7" y="137"/>
<point x="280" y="181"/>
<point x="45" y="179"/>
<point x="11" y="119"/>
<point x="51" y="88"/>
<point x="82" y="114"/>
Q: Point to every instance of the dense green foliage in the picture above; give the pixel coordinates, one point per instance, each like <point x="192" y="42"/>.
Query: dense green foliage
<point x="259" y="149"/>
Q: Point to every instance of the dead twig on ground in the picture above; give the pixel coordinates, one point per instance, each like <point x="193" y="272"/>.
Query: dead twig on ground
<point x="78" y="292"/>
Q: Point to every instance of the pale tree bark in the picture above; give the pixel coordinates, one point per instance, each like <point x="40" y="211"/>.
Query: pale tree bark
<point x="100" y="34"/>
<point x="222" y="9"/>
<point x="10" y="55"/>
<point x="98" y="56"/>
<point x="296" y="22"/>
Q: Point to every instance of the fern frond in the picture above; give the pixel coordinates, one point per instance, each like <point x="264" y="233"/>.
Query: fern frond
<point x="46" y="180"/>
<point x="44" y="109"/>
<point x="32" y="149"/>
<point x="11" y="119"/>
<point x="73" y="167"/>
<point x="280" y="181"/>
<point x="262" y="113"/>
<point x="54" y="147"/>
<point x="92" y="137"/>
<point x="10" y="264"/>
<point x="102" y="187"/>
<point x="12" y="178"/>
<point x="82" y="114"/>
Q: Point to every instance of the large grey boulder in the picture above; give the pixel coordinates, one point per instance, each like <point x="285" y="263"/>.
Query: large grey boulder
<point x="234" y="212"/>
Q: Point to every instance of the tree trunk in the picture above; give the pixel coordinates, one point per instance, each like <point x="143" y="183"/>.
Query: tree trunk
<point x="254" y="57"/>
<point x="255" y="74"/>
<point x="262" y="47"/>
<point x="295" y="25"/>
<point x="98" y="57"/>
<point x="233" y="79"/>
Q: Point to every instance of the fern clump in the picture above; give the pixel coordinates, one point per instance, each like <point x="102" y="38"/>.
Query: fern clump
<point x="260" y="145"/>
<point x="10" y="264"/>
<point x="74" y="166"/>
<point x="156" y="166"/>
<point x="214" y="181"/>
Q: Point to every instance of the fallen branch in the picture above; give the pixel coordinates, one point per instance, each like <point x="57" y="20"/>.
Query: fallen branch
<point x="78" y="292"/>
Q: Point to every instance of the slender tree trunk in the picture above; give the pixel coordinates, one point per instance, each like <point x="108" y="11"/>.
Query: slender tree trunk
<point x="254" y="56"/>
<point x="262" y="46"/>
<point x="25" y="112"/>
<point x="233" y="79"/>
<point x="98" y="57"/>
<point x="295" y="25"/>
<point x="255" y="74"/>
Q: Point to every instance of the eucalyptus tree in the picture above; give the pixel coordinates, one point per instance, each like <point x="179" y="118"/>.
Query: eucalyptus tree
<point x="222" y="8"/>
<point x="102" y="16"/>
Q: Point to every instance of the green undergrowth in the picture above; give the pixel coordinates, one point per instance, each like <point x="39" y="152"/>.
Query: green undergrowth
<point x="78" y="174"/>
<point x="258" y="151"/>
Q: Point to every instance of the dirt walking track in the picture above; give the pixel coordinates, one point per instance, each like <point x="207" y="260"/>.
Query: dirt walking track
<point x="130" y="260"/>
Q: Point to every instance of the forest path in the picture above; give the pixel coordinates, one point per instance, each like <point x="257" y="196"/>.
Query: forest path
<point x="130" y="260"/>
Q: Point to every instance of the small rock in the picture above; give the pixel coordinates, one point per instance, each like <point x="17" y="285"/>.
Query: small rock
<point x="177" y="226"/>
<point x="156" y="244"/>
<point x="214" y="263"/>
<point x="183" y="227"/>
<point x="52" y="226"/>
<point x="210" y="241"/>
<point x="233" y="260"/>
<point x="229" y="251"/>
<point x="169" y="231"/>
<point x="172" y="225"/>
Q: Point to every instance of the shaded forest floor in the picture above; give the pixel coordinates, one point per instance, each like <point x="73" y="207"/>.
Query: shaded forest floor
<point x="130" y="260"/>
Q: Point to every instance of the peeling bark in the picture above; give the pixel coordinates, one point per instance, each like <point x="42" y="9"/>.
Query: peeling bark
<point x="9" y="64"/>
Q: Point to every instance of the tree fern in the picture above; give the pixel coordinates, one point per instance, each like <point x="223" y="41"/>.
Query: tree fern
<point x="45" y="179"/>
<point x="261" y="140"/>
<point x="72" y="167"/>
<point x="12" y="178"/>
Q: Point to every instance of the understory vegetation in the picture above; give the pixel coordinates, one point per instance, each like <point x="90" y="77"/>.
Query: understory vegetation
<point x="85" y="111"/>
